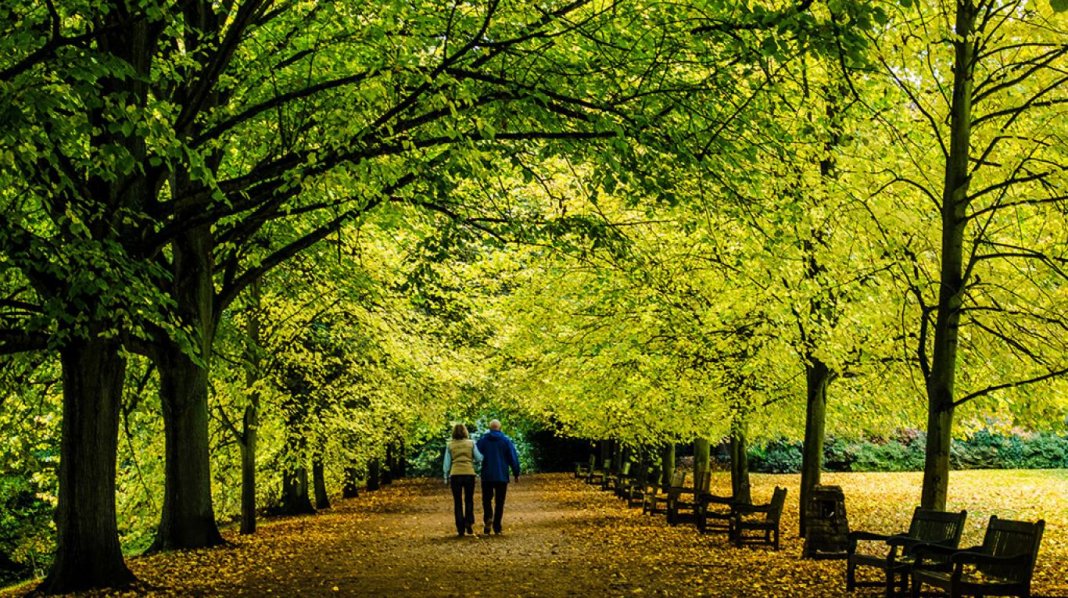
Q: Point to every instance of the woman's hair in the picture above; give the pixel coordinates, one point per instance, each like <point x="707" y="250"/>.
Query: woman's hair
<point x="459" y="432"/>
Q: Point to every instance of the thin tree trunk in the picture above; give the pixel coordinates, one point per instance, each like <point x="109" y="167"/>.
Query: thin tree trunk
<point x="823" y="310"/>
<point x="702" y="450"/>
<point x="373" y="467"/>
<point x="399" y="462"/>
<point x="385" y="471"/>
<point x="942" y="376"/>
<point x="817" y="378"/>
<point x="667" y="464"/>
<point x="351" y="487"/>
<point x="618" y="454"/>
<point x="88" y="554"/>
<point x="322" y="499"/>
<point x="248" y="468"/>
<point x="250" y="421"/>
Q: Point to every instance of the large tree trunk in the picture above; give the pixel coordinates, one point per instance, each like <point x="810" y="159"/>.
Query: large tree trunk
<point x="941" y="379"/>
<point x="739" y="462"/>
<point x="188" y="519"/>
<point x="817" y="378"/>
<point x="322" y="499"/>
<point x="88" y="554"/>
<point x="295" y="497"/>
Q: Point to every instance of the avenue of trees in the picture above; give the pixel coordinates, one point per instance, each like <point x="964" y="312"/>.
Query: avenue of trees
<point x="251" y="249"/>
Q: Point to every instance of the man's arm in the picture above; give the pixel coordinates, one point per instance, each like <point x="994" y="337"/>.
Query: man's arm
<point x="514" y="459"/>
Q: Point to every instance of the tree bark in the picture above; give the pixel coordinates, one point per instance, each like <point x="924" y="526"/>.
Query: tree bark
<point x="373" y="468"/>
<point x="817" y="378"/>
<point x="322" y="499"/>
<point x="295" y="497"/>
<point x="385" y="471"/>
<point x="618" y="455"/>
<point x="940" y="382"/>
<point x="188" y="519"/>
<point x="667" y="464"/>
<point x="250" y="421"/>
<point x="351" y="487"/>
<point x="88" y="554"/>
<point x="399" y="462"/>
<point x="739" y="462"/>
<point x="248" y="468"/>
<point x="702" y="450"/>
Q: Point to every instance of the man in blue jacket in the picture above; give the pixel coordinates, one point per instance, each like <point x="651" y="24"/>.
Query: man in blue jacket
<point x="498" y="456"/>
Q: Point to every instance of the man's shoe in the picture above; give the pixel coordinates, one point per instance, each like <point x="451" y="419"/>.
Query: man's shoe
<point x="470" y="531"/>
<point x="485" y="529"/>
<point x="497" y="531"/>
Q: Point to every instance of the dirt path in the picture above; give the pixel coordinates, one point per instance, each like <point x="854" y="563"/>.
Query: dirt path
<point x="561" y="538"/>
<point x="402" y="541"/>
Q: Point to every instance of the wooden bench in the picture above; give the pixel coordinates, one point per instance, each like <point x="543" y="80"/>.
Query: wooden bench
<point x="583" y="469"/>
<point x="633" y="481"/>
<point x="1001" y="566"/>
<point x="594" y="475"/>
<point x="613" y="479"/>
<point x="743" y="521"/>
<point x="657" y="497"/>
<point x="647" y="482"/>
<point x="714" y="513"/>
<point x="927" y="527"/>
<point x="687" y="499"/>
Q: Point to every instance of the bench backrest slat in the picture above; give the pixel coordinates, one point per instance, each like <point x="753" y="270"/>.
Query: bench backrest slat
<point x="778" y="500"/>
<point x="1005" y="537"/>
<point x="937" y="527"/>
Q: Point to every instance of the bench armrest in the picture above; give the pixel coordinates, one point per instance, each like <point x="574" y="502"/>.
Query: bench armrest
<point x="978" y="558"/>
<point x="861" y="536"/>
<point x="932" y="556"/>
<point x="744" y="509"/>
<point x="708" y="499"/>
<point x="868" y="536"/>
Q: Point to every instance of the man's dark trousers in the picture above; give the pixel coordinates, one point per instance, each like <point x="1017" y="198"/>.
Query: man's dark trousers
<point x="493" y="494"/>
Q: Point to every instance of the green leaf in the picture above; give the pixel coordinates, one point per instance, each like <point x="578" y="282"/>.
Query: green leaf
<point x="1059" y="5"/>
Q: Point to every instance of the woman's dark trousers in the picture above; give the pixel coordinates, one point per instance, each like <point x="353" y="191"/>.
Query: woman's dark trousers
<point x="463" y="501"/>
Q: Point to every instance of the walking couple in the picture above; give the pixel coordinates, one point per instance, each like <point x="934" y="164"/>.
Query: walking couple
<point x="497" y="454"/>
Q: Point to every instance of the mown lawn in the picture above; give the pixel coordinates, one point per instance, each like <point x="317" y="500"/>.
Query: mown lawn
<point x="883" y="502"/>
